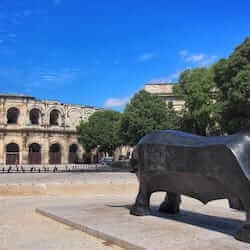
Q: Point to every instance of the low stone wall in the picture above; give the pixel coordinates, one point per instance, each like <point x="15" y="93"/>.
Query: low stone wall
<point x="67" y="184"/>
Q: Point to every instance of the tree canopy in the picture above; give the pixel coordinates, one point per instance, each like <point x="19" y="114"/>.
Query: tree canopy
<point x="100" y="131"/>
<point x="232" y="78"/>
<point x="144" y="114"/>
<point x="196" y="87"/>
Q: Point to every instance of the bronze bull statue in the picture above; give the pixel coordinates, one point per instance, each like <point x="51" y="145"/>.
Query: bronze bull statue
<point x="205" y="168"/>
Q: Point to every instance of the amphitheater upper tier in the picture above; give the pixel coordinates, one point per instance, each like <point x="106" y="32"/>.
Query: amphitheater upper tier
<point x="39" y="131"/>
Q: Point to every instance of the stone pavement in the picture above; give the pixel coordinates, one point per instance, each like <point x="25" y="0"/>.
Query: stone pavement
<point x="197" y="227"/>
<point x="21" y="228"/>
<point x="92" y="195"/>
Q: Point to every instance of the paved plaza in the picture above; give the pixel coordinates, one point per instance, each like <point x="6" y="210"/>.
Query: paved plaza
<point x="98" y="203"/>
<point x="196" y="227"/>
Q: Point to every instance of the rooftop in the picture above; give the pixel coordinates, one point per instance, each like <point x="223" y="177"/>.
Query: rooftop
<point x="23" y="96"/>
<point x="16" y="95"/>
<point x="160" y="83"/>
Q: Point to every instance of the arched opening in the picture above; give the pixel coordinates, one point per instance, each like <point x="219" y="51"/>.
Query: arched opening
<point x="35" y="153"/>
<point x="86" y="157"/>
<point x="55" y="154"/>
<point x="54" y="117"/>
<point x="12" y="153"/>
<point x="12" y="116"/>
<point x="34" y="116"/>
<point x="73" y="156"/>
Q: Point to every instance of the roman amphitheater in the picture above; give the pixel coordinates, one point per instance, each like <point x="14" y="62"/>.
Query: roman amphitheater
<point x="36" y="131"/>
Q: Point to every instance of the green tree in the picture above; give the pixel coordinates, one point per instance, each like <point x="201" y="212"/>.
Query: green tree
<point x="144" y="114"/>
<point x="196" y="86"/>
<point x="100" y="131"/>
<point x="232" y="78"/>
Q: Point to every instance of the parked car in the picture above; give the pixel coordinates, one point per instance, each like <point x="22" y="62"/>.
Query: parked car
<point x="106" y="161"/>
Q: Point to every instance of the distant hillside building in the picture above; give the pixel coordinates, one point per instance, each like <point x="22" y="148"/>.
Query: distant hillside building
<point x="165" y="90"/>
<point x="36" y="131"/>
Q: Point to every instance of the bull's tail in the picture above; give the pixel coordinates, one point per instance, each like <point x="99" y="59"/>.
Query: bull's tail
<point x="133" y="167"/>
<point x="133" y="164"/>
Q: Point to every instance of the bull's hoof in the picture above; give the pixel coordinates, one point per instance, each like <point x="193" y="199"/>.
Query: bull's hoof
<point x="168" y="208"/>
<point x="244" y="233"/>
<point x="139" y="211"/>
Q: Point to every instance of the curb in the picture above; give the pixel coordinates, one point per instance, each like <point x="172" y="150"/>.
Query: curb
<point x="66" y="188"/>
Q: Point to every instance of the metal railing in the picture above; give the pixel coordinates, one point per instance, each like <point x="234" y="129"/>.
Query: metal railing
<point x="21" y="168"/>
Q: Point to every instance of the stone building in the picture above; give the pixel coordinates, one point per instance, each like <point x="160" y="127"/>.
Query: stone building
<point x="36" y="131"/>
<point x="165" y="91"/>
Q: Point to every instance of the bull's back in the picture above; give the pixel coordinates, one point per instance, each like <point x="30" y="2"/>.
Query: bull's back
<point x="205" y="173"/>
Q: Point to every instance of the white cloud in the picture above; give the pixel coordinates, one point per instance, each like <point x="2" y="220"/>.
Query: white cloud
<point x="201" y="59"/>
<point x="208" y="60"/>
<point x="174" y="77"/>
<point x="14" y="17"/>
<point x="146" y="57"/>
<point x="195" y="58"/>
<point x="61" y="77"/>
<point x="183" y="53"/>
<point x="116" y="102"/>
<point x="168" y="79"/>
<point x="44" y="77"/>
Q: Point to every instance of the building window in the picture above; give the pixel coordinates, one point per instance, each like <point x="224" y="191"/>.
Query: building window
<point x="12" y="116"/>
<point x="34" y="116"/>
<point x="35" y="153"/>
<point x="12" y="153"/>
<point x="55" y="154"/>
<point x="54" y="117"/>
<point x="73" y="155"/>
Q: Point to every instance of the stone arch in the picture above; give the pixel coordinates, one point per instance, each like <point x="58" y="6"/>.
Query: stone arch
<point x="12" y="153"/>
<point x="55" y="153"/>
<point x="51" y="108"/>
<point x="35" y="153"/>
<point x="55" y="117"/>
<point x="35" y="116"/>
<point x="13" y="114"/>
<point x="73" y="153"/>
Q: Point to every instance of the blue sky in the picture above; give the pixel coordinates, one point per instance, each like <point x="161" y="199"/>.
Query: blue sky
<point x="100" y="53"/>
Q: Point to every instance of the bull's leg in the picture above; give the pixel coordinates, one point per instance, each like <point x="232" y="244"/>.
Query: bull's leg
<point x="171" y="204"/>
<point x="141" y="206"/>
<point x="244" y="232"/>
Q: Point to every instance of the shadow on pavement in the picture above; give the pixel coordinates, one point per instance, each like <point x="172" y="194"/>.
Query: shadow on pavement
<point x="219" y="224"/>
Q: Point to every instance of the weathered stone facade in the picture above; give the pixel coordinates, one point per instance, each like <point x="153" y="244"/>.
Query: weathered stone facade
<point x="36" y="131"/>
<point x="165" y="91"/>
